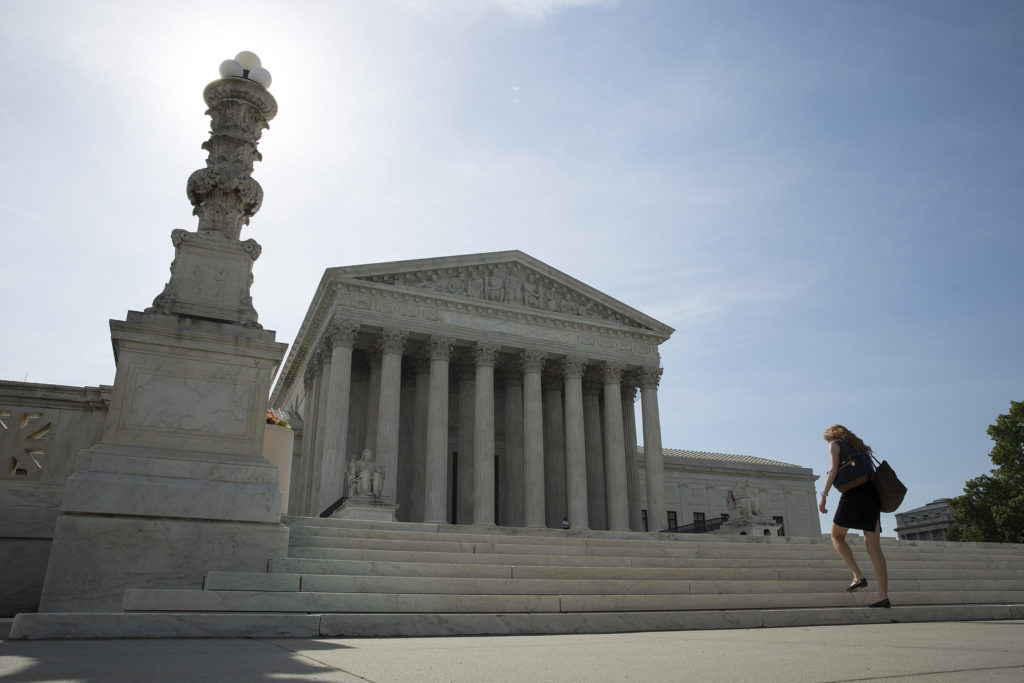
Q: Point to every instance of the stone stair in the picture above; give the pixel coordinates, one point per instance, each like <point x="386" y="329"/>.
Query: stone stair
<point x="348" y="578"/>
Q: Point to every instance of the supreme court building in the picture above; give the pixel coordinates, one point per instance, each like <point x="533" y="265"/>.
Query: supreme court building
<point x="488" y="388"/>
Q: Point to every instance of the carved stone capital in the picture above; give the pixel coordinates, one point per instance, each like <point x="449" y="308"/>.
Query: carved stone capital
<point x="573" y="367"/>
<point x="628" y="392"/>
<point x="392" y="341"/>
<point x="533" y="360"/>
<point x="612" y="372"/>
<point x="441" y="347"/>
<point x="486" y="354"/>
<point x="342" y="335"/>
<point x="309" y="377"/>
<point x="649" y="378"/>
<point x="242" y="92"/>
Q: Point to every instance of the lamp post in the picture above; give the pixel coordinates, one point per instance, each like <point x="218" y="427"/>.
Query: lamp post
<point x="224" y="196"/>
<point x="178" y="485"/>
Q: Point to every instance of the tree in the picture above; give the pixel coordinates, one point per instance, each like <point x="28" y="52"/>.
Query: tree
<point x="992" y="505"/>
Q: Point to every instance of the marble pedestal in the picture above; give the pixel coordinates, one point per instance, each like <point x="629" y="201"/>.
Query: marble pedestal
<point x="95" y="559"/>
<point x="178" y="486"/>
<point x="368" y="508"/>
<point x="278" y="445"/>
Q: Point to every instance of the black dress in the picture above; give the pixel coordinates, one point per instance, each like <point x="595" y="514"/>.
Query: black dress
<point x="859" y="508"/>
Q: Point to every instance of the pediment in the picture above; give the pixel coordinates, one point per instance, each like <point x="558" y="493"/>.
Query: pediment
<point x="504" y="279"/>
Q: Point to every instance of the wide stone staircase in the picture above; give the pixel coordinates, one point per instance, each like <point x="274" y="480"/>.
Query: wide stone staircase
<point x="349" y="579"/>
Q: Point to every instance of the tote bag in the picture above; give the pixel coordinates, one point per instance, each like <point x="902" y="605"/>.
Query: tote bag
<point x="888" y="486"/>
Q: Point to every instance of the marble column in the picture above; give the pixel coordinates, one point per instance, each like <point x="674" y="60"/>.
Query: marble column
<point x="373" y="359"/>
<point x="533" y="438"/>
<point x="319" y="453"/>
<point x="510" y="490"/>
<point x="594" y="445"/>
<point x="297" y="504"/>
<point x="464" y="473"/>
<point x="340" y="340"/>
<point x="554" y="446"/>
<point x="575" y="448"/>
<point x="657" y="516"/>
<point x="633" y="490"/>
<point x="483" y="435"/>
<point x="435" y="490"/>
<point x="421" y="366"/>
<point x="313" y="431"/>
<point x="614" y="449"/>
<point x="406" y="442"/>
<point x="392" y="344"/>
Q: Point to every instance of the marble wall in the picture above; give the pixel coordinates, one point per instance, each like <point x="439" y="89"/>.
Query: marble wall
<point x="44" y="426"/>
<point x="698" y="482"/>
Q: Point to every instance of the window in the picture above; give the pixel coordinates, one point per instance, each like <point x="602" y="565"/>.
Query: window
<point x="672" y="520"/>
<point x="643" y="516"/>
<point x="698" y="521"/>
<point x="782" y="528"/>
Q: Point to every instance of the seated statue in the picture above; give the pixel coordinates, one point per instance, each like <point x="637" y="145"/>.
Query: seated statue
<point x="365" y="476"/>
<point x="741" y="502"/>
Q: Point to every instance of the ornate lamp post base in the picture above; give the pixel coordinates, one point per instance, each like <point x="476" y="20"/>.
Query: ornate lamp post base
<point x="178" y="486"/>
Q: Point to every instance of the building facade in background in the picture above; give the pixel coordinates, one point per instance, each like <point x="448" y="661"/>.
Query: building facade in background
<point x="929" y="522"/>
<point x="697" y="484"/>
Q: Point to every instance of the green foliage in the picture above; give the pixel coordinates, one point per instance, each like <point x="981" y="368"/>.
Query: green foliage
<point x="953" y="534"/>
<point x="992" y="505"/>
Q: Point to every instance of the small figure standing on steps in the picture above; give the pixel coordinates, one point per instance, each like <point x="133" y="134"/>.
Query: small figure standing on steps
<point x="859" y="508"/>
<point x="565" y="522"/>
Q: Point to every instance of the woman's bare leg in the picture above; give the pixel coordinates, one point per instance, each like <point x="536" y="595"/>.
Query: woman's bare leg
<point x="873" y="542"/>
<point x="843" y="548"/>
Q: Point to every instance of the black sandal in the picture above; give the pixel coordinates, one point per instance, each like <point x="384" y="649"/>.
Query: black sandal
<point x="857" y="585"/>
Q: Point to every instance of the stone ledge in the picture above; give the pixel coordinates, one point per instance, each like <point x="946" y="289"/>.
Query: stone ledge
<point x="261" y="625"/>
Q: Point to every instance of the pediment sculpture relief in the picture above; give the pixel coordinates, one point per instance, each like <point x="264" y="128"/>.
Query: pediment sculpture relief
<point x="506" y="283"/>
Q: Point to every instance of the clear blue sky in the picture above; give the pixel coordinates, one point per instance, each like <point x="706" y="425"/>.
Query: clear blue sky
<point x="823" y="198"/>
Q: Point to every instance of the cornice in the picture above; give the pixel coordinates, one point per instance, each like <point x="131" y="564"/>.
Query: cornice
<point x="305" y="342"/>
<point x="429" y="312"/>
<point x="419" y="308"/>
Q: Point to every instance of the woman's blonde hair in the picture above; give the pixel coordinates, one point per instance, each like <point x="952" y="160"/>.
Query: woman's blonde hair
<point x="840" y="432"/>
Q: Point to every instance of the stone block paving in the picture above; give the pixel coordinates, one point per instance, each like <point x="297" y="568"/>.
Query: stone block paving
<point x="943" y="651"/>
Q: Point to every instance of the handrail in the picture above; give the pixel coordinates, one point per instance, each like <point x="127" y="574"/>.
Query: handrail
<point x="699" y="527"/>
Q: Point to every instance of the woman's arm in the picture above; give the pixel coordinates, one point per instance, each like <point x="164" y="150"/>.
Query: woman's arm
<point x="833" y="450"/>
